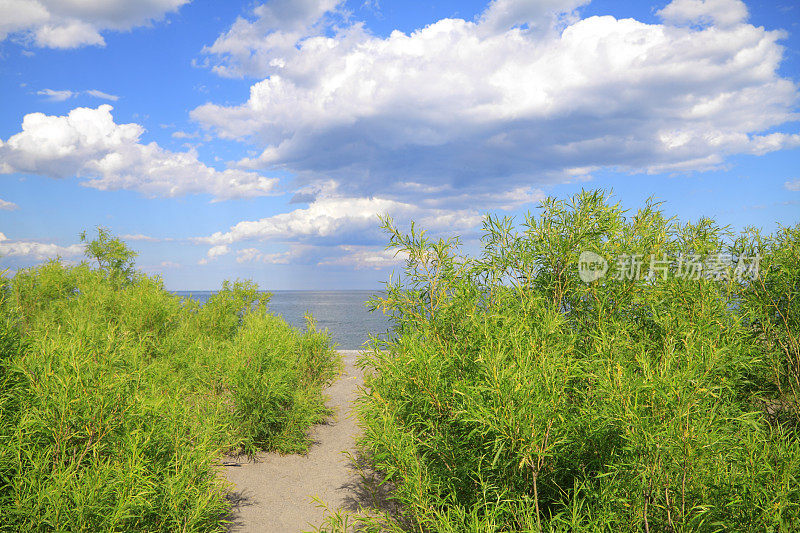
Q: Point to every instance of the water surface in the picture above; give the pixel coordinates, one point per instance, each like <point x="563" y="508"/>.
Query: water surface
<point x="342" y="313"/>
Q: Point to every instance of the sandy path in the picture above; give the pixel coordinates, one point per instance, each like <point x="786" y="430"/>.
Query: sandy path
<point x="275" y="493"/>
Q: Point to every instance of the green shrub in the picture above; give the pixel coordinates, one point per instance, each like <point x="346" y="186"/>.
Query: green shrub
<point x="513" y="396"/>
<point x="118" y="398"/>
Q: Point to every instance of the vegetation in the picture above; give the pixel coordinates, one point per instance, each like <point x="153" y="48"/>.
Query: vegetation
<point x="513" y="396"/>
<point x="118" y="399"/>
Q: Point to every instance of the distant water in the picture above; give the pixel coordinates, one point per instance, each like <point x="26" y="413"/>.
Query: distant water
<point x="342" y="312"/>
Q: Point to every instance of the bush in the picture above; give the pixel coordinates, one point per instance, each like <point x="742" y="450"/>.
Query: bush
<point x="513" y="396"/>
<point x="119" y="398"/>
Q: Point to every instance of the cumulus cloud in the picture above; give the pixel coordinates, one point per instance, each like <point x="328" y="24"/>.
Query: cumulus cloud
<point x="253" y="46"/>
<point x="336" y="230"/>
<point x="353" y="256"/>
<point x="74" y="23"/>
<point x="722" y="13"/>
<point x="526" y="94"/>
<point x="89" y="144"/>
<point x="5" y="205"/>
<point x="339" y="219"/>
<point x="792" y="185"/>
<point x="36" y="250"/>
<point x="365" y="257"/>
<point x="541" y="15"/>
<point x="345" y="230"/>
<point x="217" y="251"/>
<point x="295" y="253"/>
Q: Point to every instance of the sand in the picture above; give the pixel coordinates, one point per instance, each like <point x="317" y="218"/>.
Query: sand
<point x="275" y="493"/>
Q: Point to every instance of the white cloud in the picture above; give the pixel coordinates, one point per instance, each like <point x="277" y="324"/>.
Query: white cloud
<point x="16" y="15"/>
<point x="89" y="144"/>
<point x="218" y="251"/>
<point x="344" y="231"/>
<point x="56" y="96"/>
<point x="292" y="255"/>
<point x="353" y="256"/>
<point x="254" y="45"/>
<point x="7" y="206"/>
<point x="74" y="23"/>
<point x="62" y="95"/>
<point x="332" y="219"/>
<point x="248" y="255"/>
<point x="36" y="250"/>
<point x="102" y="95"/>
<point x="722" y="13"/>
<point x="365" y="257"/>
<point x="138" y="237"/>
<point x="540" y="15"/>
<point x="480" y="107"/>
<point x="350" y="226"/>
<point x="183" y="135"/>
<point x="792" y="185"/>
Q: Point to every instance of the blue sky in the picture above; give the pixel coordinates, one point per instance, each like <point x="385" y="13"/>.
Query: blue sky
<point x="261" y="140"/>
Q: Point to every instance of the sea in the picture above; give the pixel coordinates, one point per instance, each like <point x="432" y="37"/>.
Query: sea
<point x="343" y="313"/>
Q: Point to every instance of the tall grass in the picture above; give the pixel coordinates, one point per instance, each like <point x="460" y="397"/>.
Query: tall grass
<point x="118" y="398"/>
<point x="515" y="397"/>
